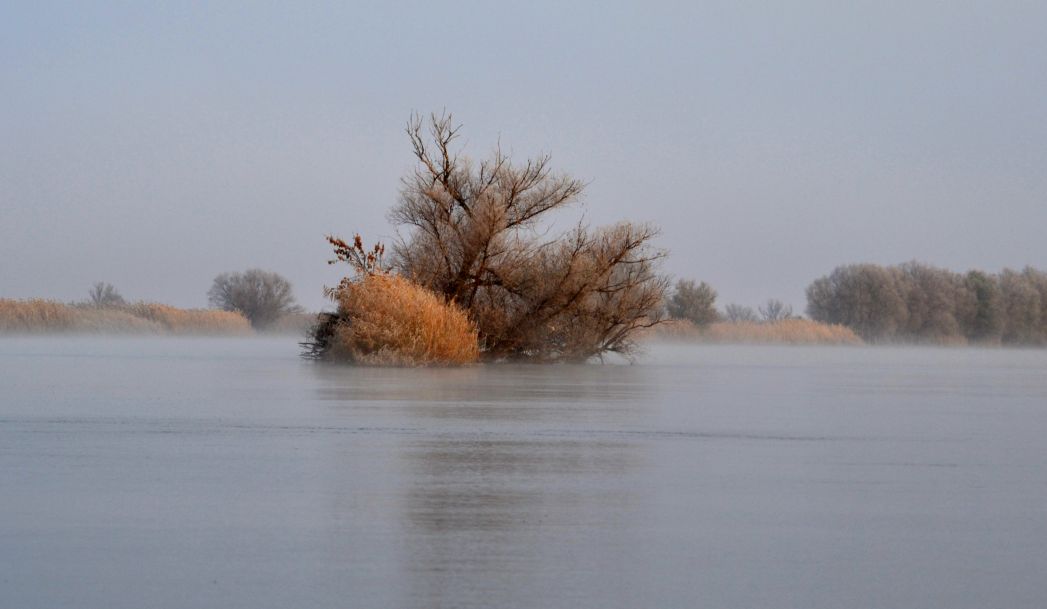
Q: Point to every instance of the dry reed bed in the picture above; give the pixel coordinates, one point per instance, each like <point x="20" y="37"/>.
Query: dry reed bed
<point x="787" y="331"/>
<point x="38" y="316"/>
<point x="388" y="320"/>
<point x="292" y="323"/>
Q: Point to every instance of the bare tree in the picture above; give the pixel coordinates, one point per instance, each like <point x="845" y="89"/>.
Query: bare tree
<point x="261" y="296"/>
<point x="103" y="294"/>
<point x="738" y="313"/>
<point x="775" y="310"/>
<point x="694" y="302"/>
<point x="473" y="235"/>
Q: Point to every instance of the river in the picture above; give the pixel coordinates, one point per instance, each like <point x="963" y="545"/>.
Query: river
<point x="230" y="473"/>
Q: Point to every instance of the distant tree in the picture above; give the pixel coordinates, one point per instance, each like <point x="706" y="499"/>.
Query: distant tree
<point x="985" y="324"/>
<point x="1038" y="281"/>
<point x="694" y="302"/>
<point x="775" y="310"/>
<point x="261" y="296"/>
<point x="1021" y="307"/>
<point x="936" y="301"/>
<point x="863" y="297"/>
<point x="103" y="294"/>
<point x="737" y="313"/>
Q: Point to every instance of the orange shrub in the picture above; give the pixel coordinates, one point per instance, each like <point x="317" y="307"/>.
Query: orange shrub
<point x="389" y="320"/>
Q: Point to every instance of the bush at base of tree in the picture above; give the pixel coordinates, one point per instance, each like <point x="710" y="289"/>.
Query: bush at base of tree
<point x="388" y="320"/>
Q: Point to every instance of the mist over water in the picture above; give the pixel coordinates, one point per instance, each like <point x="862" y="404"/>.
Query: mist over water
<point x="227" y="473"/>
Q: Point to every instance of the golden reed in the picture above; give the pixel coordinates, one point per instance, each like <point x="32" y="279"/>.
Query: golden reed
<point x="38" y="316"/>
<point x="786" y="331"/>
<point x="389" y="320"/>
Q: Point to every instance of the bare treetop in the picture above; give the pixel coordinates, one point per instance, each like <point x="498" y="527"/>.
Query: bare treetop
<point x="103" y="294"/>
<point x="775" y="310"/>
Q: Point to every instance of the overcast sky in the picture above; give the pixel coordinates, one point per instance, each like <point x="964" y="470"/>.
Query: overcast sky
<point x="154" y="147"/>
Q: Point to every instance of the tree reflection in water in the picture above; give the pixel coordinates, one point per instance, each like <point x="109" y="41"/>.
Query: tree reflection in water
<point x="511" y="487"/>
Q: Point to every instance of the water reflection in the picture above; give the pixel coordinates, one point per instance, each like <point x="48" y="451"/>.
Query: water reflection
<point x="487" y="492"/>
<point x="224" y="474"/>
<point x="479" y="514"/>
<point x="462" y="484"/>
<point x="543" y="385"/>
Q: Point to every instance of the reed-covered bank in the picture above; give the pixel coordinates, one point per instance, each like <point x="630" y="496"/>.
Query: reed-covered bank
<point x="786" y="331"/>
<point x="38" y="316"/>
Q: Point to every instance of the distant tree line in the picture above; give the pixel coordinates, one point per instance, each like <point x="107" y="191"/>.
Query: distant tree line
<point x="696" y="302"/>
<point x="921" y="303"/>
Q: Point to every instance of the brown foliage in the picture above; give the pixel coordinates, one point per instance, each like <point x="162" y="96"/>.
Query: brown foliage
<point x="473" y="238"/>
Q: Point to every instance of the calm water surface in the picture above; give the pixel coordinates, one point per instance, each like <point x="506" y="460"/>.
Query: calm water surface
<point x="228" y="473"/>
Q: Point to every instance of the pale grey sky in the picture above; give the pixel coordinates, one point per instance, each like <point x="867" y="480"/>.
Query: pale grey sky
<point x="156" y="146"/>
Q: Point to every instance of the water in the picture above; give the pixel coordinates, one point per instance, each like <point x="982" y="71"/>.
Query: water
<point x="227" y="473"/>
